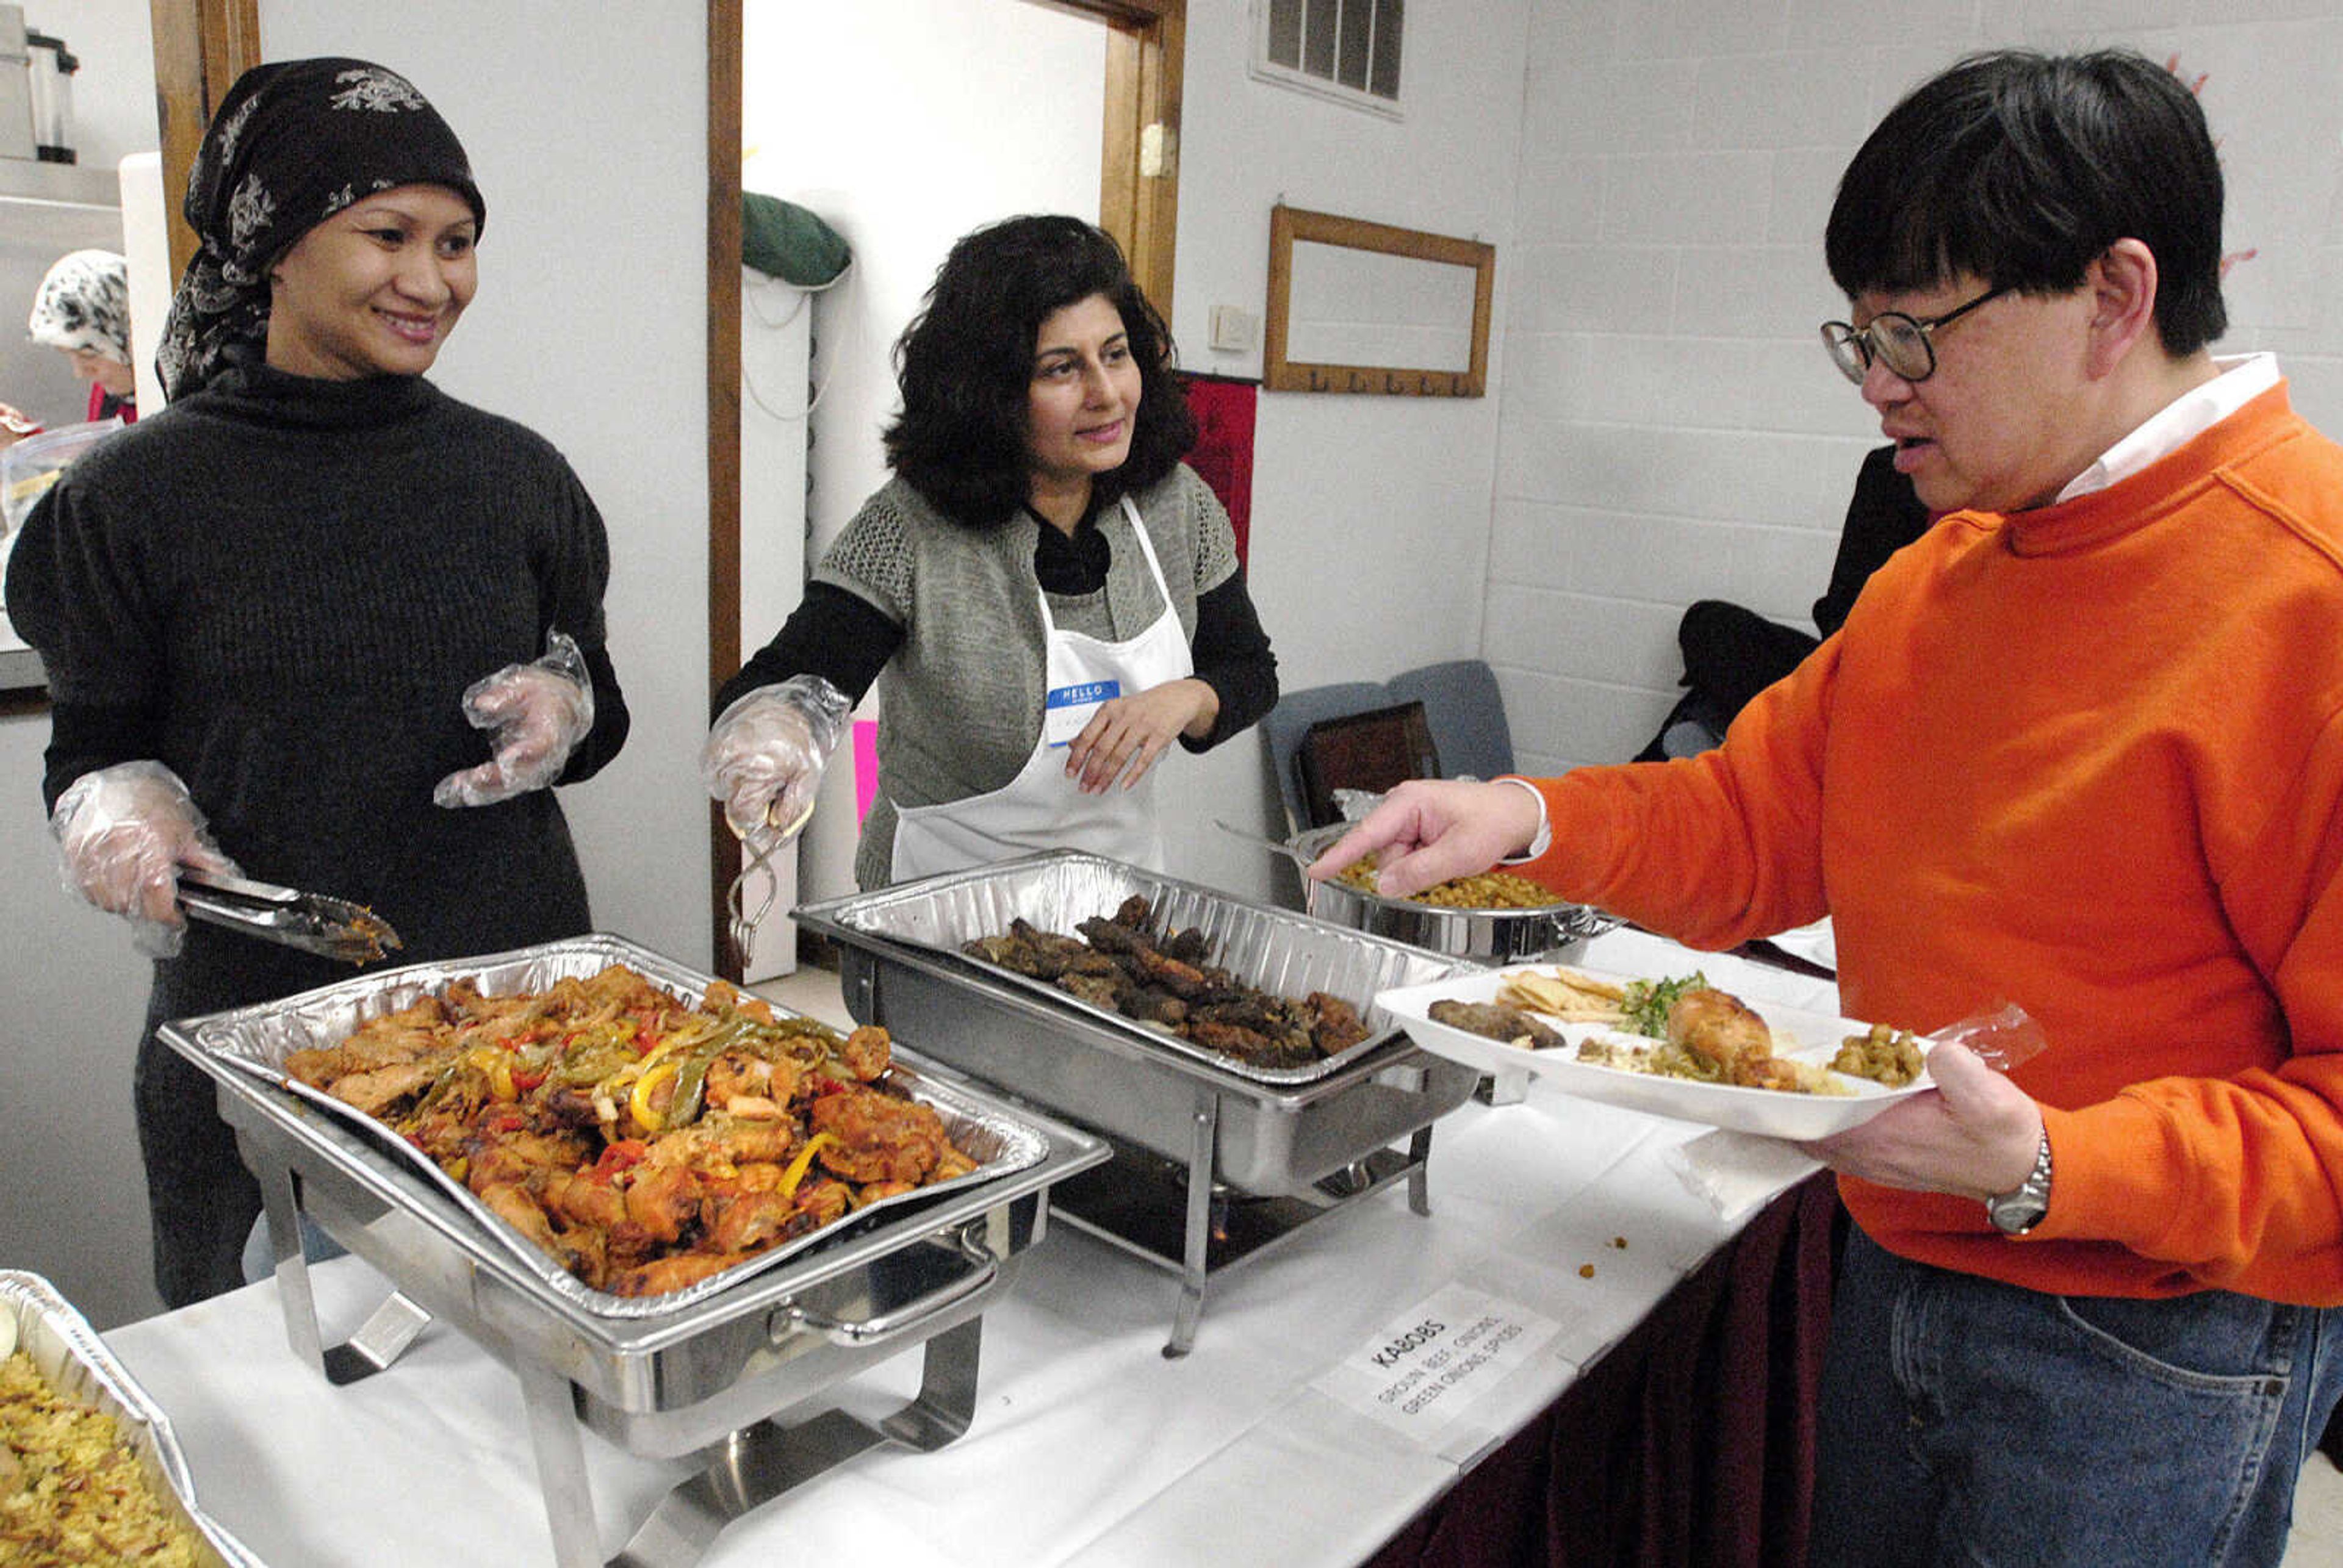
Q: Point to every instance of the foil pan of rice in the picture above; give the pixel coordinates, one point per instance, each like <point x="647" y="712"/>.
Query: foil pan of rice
<point x="89" y="1470"/>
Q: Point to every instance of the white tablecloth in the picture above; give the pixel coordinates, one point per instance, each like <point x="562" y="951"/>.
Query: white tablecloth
<point x="1087" y="1446"/>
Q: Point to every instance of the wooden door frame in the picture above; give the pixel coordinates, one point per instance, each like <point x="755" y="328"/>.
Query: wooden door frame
<point x="1146" y="49"/>
<point x="201" y="47"/>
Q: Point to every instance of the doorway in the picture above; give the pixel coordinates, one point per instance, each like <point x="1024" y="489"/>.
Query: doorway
<point x="1006" y="107"/>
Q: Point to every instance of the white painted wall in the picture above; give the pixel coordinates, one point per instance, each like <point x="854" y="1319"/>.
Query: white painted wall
<point x="1370" y="514"/>
<point x="1669" y="427"/>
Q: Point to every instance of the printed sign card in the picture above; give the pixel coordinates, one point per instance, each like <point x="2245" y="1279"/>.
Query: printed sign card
<point x="1438" y="1360"/>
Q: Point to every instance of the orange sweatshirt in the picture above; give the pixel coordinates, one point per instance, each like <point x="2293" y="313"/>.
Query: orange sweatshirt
<point x="2087" y="758"/>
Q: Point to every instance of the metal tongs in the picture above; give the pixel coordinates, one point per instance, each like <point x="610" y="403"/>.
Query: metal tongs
<point x="744" y="919"/>
<point x="313" y="922"/>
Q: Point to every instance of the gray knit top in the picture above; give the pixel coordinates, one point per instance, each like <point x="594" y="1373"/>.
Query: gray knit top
<point x="961" y="698"/>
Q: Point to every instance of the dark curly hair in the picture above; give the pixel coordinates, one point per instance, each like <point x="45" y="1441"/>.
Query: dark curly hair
<point x="2020" y="169"/>
<point x="965" y="365"/>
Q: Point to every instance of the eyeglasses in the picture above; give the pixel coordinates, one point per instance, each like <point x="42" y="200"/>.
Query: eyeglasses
<point x="1900" y="342"/>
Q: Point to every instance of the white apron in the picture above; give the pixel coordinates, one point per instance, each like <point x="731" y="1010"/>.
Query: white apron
<point x="1041" y="808"/>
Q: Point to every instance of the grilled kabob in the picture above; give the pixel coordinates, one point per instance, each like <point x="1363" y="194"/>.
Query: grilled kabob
<point x="1124" y="965"/>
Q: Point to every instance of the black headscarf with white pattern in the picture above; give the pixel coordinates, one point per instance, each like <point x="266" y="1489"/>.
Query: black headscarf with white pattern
<point x="84" y="303"/>
<point x="294" y="143"/>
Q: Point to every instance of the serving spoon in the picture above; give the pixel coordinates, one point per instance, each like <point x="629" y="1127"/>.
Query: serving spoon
<point x="1276" y="846"/>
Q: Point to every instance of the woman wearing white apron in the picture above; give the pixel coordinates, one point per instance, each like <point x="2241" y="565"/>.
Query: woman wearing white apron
<point x="1045" y="595"/>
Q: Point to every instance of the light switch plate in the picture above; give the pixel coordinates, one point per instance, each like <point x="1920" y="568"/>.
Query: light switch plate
<point x="1234" y="330"/>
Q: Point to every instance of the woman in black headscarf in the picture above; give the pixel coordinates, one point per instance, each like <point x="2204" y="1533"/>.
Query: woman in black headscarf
<point x="316" y="619"/>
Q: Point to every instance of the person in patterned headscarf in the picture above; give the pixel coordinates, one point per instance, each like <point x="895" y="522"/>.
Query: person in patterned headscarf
<point x="291" y="145"/>
<point x="278" y="616"/>
<point x="82" y="310"/>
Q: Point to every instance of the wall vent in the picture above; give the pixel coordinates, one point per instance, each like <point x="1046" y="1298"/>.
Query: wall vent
<point x="1345" y="50"/>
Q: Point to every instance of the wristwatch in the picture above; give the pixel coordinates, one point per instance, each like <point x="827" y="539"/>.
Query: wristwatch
<point x="2019" y="1210"/>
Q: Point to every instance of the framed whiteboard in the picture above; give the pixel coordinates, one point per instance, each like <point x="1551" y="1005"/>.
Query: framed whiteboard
<point x="1365" y="307"/>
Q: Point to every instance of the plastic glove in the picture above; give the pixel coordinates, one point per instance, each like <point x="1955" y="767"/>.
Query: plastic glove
<point x="764" y="754"/>
<point x="538" y="713"/>
<point x="123" y="832"/>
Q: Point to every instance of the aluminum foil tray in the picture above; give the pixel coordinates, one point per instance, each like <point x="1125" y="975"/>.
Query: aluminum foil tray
<point x="1278" y="951"/>
<point x="37" y="1319"/>
<point x="257" y="1039"/>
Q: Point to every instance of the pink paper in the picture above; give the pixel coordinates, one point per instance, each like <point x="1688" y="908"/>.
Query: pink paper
<point x="866" y="767"/>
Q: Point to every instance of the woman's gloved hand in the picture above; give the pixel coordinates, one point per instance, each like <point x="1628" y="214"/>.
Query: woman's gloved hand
<point x="123" y="832"/>
<point x="764" y="754"/>
<point x="537" y="712"/>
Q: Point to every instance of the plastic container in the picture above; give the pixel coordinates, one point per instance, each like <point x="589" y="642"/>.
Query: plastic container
<point x="30" y="467"/>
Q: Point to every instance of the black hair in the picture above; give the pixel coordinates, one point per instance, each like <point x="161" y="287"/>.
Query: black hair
<point x="965" y="365"/>
<point x="2020" y="169"/>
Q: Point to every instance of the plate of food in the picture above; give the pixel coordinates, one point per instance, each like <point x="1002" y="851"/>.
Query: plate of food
<point x="1671" y="1045"/>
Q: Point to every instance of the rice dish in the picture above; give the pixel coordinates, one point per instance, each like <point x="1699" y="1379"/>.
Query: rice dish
<point x="72" y="1492"/>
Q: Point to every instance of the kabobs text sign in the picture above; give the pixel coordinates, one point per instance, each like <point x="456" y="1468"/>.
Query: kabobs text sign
<point x="1439" y="1359"/>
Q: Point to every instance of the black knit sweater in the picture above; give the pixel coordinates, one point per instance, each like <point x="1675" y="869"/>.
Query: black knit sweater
<point x="279" y="588"/>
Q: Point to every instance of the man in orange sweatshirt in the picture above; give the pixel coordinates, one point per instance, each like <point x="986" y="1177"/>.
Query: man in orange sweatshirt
<point x="2079" y="748"/>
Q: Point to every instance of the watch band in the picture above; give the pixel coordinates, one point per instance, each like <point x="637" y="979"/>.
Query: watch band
<point x="2019" y="1210"/>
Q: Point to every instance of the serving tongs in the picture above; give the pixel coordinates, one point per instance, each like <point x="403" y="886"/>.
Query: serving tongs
<point x="757" y="857"/>
<point x="313" y="922"/>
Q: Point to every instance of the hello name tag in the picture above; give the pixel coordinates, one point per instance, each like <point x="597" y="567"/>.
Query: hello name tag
<point x="1069" y="707"/>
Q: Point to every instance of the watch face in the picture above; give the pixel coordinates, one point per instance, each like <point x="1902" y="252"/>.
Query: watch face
<point x="2017" y="1212"/>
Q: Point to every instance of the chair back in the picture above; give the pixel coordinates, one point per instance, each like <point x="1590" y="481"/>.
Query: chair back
<point x="1370" y="752"/>
<point x="1467" y="713"/>
<point x="1462" y="707"/>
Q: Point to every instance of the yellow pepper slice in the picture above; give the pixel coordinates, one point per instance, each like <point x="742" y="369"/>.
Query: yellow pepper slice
<point x="795" y="1170"/>
<point x="496" y="1064"/>
<point x="640" y="1101"/>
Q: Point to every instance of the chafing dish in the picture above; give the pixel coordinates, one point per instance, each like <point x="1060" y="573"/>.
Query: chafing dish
<point x="699" y="1372"/>
<point x="1556" y="932"/>
<point x="72" y="1361"/>
<point x="1216" y="1159"/>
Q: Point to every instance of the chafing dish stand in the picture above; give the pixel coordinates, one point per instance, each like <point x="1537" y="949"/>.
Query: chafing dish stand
<point x="1130" y="1203"/>
<point x="745" y="1467"/>
<point x="843" y="1317"/>
<point x="1214" y="1162"/>
<point x="710" y="1380"/>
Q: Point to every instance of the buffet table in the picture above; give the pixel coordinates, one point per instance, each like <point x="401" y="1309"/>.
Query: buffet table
<point x="1627" y="1310"/>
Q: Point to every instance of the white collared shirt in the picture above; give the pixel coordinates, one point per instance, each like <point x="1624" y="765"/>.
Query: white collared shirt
<point x="2243" y="378"/>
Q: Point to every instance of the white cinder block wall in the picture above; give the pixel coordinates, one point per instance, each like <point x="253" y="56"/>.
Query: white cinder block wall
<point x="1668" y="427"/>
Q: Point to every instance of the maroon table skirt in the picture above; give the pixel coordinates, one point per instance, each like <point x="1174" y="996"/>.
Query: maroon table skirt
<point x="1690" y="1441"/>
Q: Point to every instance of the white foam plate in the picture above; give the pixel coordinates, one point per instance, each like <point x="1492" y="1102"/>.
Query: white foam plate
<point x="1770" y="1114"/>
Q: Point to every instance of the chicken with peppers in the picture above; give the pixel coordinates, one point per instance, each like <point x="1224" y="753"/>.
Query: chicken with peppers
<point x="644" y="1142"/>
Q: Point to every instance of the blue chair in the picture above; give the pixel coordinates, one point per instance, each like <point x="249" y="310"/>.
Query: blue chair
<point x="1284" y="726"/>
<point x="1468" y="715"/>
<point x="1461" y="706"/>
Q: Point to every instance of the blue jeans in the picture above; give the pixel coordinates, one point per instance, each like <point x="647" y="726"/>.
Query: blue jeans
<point x="1969" y="1421"/>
